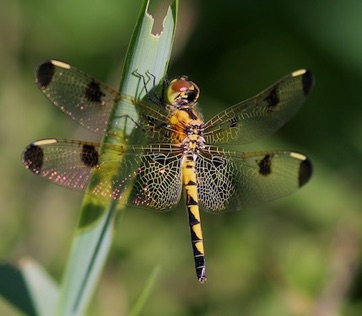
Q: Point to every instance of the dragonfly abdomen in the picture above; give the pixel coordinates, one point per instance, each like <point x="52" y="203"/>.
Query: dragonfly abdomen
<point x="192" y="203"/>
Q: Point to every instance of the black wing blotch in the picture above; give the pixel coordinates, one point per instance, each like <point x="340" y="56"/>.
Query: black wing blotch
<point x="33" y="158"/>
<point x="93" y="92"/>
<point x="89" y="156"/>
<point x="44" y="74"/>
<point x="265" y="165"/>
<point x="308" y="82"/>
<point x="305" y="172"/>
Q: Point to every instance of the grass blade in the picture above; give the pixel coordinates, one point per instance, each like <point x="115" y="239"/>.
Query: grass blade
<point x="138" y="306"/>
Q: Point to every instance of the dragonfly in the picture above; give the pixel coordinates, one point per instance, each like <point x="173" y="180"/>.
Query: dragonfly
<point x="181" y="153"/>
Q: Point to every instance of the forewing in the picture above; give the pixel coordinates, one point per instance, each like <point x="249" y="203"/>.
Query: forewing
<point x="134" y="176"/>
<point x="231" y="181"/>
<point x="83" y="98"/>
<point x="90" y="102"/>
<point x="262" y="115"/>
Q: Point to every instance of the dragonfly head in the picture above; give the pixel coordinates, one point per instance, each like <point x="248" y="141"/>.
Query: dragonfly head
<point x="181" y="91"/>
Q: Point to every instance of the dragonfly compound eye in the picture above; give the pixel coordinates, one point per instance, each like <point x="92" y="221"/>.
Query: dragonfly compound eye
<point x="182" y="92"/>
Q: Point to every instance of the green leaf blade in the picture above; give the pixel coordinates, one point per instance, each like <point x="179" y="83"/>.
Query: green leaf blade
<point x="28" y="287"/>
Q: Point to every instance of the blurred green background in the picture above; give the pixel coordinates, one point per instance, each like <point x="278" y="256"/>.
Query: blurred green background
<point x="296" y="256"/>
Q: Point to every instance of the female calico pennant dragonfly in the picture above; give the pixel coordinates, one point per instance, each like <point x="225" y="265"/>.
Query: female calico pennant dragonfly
<point x="180" y="149"/>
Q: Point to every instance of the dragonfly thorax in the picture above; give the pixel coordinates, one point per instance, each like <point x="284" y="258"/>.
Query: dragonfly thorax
<point x="186" y="122"/>
<point x="192" y="145"/>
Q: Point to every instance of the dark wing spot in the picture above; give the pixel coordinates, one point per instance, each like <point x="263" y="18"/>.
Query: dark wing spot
<point x="308" y="82"/>
<point x="265" y="166"/>
<point x="33" y="158"/>
<point x="89" y="156"/>
<point x="305" y="172"/>
<point x="93" y="92"/>
<point x="44" y="74"/>
<point x="272" y="98"/>
<point x="233" y="121"/>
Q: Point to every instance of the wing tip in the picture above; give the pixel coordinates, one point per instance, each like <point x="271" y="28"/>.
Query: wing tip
<point x="45" y="72"/>
<point x="33" y="158"/>
<point x="307" y="79"/>
<point x="305" y="171"/>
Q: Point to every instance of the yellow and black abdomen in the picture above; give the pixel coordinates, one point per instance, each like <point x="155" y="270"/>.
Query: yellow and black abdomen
<point x="189" y="179"/>
<point x="186" y="124"/>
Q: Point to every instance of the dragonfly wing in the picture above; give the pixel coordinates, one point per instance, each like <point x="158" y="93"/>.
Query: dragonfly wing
<point x="231" y="181"/>
<point x="90" y="102"/>
<point x="158" y="185"/>
<point x="262" y="115"/>
<point x="132" y="175"/>
<point x="86" y="100"/>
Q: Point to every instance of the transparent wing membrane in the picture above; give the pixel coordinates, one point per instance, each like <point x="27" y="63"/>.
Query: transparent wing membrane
<point x="83" y="98"/>
<point x="231" y="181"/>
<point x="227" y="180"/>
<point x="261" y="116"/>
<point x="153" y="176"/>
<point x="90" y="102"/>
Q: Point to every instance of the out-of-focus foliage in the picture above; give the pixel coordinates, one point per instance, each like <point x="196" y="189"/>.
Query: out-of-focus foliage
<point x="296" y="256"/>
